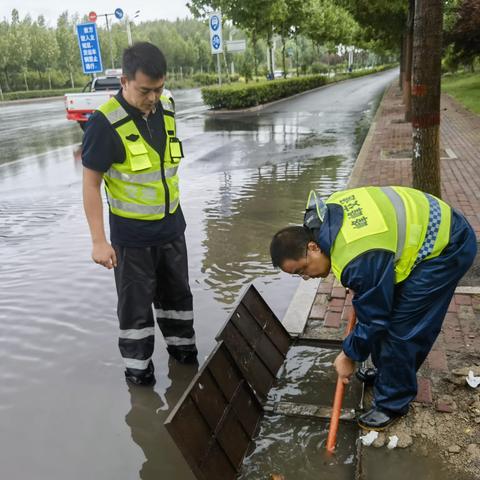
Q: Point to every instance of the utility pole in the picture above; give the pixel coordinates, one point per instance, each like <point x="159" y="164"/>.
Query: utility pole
<point x="119" y="14"/>
<point x="427" y="56"/>
<point x="109" y="38"/>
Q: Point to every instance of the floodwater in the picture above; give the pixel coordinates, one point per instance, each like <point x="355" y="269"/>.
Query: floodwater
<point x="65" y="410"/>
<point x="296" y="447"/>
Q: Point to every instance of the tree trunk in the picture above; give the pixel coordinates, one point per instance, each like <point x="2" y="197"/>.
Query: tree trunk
<point x="25" y="79"/>
<point x="407" y="85"/>
<point x="401" y="78"/>
<point x="427" y="55"/>
<point x="7" y="80"/>
<point x="296" y="53"/>
<point x="255" y="59"/>
<point x="284" y="66"/>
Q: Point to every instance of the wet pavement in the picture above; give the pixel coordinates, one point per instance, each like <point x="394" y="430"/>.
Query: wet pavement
<point x="65" y="411"/>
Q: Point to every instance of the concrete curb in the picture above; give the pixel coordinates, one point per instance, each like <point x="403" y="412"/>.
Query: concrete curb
<point x="363" y="154"/>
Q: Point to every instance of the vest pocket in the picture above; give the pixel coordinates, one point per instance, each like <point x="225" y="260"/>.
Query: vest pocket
<point x="139" y="159"/>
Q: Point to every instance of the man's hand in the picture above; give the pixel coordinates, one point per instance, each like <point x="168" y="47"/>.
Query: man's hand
<point x="345" y="367"/>
<point x="104" y="254"/>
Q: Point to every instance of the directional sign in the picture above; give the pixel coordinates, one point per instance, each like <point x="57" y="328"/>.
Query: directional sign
<point x="234" y="46"/>
<point x="216" y="41"/>
<point x="119" y="13"/>
<point x="92" y="16"/>
<point x="89" y="48"/>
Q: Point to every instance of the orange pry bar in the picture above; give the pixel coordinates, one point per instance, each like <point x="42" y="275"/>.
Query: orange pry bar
<point x="338" y="398"/>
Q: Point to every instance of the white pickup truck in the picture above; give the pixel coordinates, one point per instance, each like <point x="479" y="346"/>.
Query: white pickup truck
<point x="80" y="106"/>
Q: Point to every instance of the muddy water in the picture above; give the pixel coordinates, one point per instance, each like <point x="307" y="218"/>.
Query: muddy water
<point x="65" y="411"/>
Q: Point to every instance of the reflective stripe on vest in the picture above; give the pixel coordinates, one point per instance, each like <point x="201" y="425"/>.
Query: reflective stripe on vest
<point x="142" y="209"/>
<point x="116" y="115"/>
<point x="399" y="207"/>
<point x="142" y="177"/>
<point x="414" y="226"/>
<point x="144" y="184"/>
<point x="434" y="221"/>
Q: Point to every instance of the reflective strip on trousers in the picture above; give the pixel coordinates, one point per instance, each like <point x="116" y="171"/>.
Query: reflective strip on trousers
<point x="178" y="341"/>
<point x="141" y="177"/>
<point x="137" y="364"/>
<point x="399" y="207"/>
<point x="137" y="208"/>
<point x="137" y="334"/>
<point x="174" y="314"/>
<point x="116" y="115"/>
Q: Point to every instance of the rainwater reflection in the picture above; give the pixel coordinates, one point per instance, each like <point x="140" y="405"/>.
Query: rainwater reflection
<point x="62" y="394"/>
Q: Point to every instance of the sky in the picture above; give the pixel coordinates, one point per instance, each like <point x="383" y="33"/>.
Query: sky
<point x="51" y="9"/>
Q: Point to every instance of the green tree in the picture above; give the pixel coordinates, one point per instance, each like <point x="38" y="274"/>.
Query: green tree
<point x="44" y="50"/>
<point x="69" y="55"/>
<point x="463" y="31"/>
<point x="18" y="46"/>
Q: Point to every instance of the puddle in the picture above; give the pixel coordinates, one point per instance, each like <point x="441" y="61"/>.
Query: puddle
<point x="308" y="376"/>
<point x="295" y="448"/>
<point x="399" y="464"/>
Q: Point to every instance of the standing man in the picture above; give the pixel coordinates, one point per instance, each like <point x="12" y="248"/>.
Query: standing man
<point x="402" y="252"/>
<point x="130" y="143"/>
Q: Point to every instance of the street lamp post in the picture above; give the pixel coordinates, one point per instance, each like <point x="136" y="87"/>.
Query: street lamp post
<point x="129" y="29"/>
<point x="119" y="14"/>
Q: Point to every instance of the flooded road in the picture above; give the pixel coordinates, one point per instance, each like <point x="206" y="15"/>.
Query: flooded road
<point x="65" y="410"/>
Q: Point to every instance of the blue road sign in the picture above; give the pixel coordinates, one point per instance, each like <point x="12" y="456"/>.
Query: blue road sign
<point x="89" y="48"/>
<point x="216" y="42"/>
<point x="214" y="22"/>
<point x="119" y="13"/>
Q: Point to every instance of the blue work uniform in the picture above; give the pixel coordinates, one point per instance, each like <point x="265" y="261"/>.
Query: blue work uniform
<point x="397" y="324"/>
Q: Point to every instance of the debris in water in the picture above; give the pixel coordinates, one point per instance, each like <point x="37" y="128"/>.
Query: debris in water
<point x="369" y="438"/>
<point x="392" y="442"/>
<point x="276" y="476"/>
<point x="472" y="380"/>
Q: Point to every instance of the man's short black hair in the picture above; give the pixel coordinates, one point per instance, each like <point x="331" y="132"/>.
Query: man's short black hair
<point x="290" y="243"/>
<point x="145" y="57"/>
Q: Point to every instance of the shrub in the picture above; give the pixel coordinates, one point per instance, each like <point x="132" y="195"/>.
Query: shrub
<point x="243" y="96"/>
<point x="239" y="95"/>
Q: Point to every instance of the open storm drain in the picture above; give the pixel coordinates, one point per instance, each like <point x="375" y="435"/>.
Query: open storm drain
<point x="262" y="401"/>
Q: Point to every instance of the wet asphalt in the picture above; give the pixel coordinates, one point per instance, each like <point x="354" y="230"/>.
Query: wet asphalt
<point x="65" y="410"/>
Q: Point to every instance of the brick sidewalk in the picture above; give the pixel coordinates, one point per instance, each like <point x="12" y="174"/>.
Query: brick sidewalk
<point x="385" y="160"/>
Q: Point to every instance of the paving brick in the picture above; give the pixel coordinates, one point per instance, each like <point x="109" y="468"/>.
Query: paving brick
<point x="444" y="407"/>
<point x="347" y="312"/>
<point x="325" y="287"/>
<point x="452" y="307"/>
<point x="339" y="292"/>
<point x="318" y="311"/>
<point x="437" y="360"/>
<point x="463" y="299"/>
<point x="349" y="297"/>
<point x="333" y="319"/>
<point x="336" y="302"/>
<point x="424" y="394"/>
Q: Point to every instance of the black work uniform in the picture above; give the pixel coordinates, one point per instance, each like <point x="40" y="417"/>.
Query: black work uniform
<point x="151" y="254"/>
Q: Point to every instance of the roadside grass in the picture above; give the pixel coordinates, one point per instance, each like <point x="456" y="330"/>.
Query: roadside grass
<point x="464" y="87"/>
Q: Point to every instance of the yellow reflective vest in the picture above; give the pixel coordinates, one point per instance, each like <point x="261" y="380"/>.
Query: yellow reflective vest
<point x="144" y="186"/>
<point x="413" y="225"/>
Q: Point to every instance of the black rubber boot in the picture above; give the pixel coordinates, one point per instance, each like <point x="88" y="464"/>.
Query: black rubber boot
<point x="377" y="419"/>
<point x="366" y="375"/>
